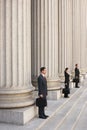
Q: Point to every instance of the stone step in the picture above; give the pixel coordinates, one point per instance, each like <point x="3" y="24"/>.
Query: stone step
<point x="53" y="108"/>
<point x="69" y="120"/>
<point x="81" y="122"/>
<point x="60" y="115"/>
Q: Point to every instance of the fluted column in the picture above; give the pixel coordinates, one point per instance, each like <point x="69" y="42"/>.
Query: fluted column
<point x="65" y="36"/>
<point x="83" y="36"/>
<point x="45" y="40"/>
<point x="79" y="34"/>
<point x="86" y="37"/>
<point x="15" y="54"/>
<point x="72" y="34"/>
<point x="68" y="33"/>
<point x="62" y="55"/>
<point x="76" y="31"/>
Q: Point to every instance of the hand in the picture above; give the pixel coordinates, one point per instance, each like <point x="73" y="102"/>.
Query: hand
<point x="76" y="77"/>
<point x="41" y="96"/>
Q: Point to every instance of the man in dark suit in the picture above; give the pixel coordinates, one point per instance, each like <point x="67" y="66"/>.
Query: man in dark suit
<point x="42" y="92"/>
<point x="77" y="74"/>
<point x="67" y="80"/>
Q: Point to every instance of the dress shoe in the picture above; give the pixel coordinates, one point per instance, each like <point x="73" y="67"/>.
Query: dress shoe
<point x="77" y="87"/>
<point x="46" y="116"/>
<point x="66" y="96"/>
<point x="42" y="117"/>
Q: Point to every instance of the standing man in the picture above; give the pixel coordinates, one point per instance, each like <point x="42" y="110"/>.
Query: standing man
<point x="77" y="74"/>
<point x="67" y="80"/>
<point x="42" y="92"/>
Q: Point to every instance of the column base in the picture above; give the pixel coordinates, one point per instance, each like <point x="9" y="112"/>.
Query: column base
<point x="72" y="84"/>
<point x="54" y="88"/>
<point x="54" y="95"/>
<point x="16" y="98"/>
<point x="18" y="116"/>
<point x="81" y="78"/>
<point x="52" y="83"/>
<point x="86" y="76"/>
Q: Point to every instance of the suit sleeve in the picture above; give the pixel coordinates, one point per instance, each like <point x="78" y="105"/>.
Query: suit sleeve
<point x="79" y="72"/>
<point x="39" y="86"/>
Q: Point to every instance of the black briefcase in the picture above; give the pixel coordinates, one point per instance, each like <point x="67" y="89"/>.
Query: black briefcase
<point x="74" y="79"/>
<point x="63" y="90"/>
<point x="41" y="102"/>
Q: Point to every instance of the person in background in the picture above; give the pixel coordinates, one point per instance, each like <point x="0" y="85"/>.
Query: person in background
<point x="77" y="75"/>
<point x="42" y="91"/>
<point x="67" y="79"/>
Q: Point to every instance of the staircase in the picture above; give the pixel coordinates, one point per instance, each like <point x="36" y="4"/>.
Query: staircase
<point x="65" y="113"/>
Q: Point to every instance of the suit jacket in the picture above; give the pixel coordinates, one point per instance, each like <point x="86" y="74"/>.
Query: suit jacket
<point x="77" y="73"/>
<point x="42" y="86"/>
<point x="67" y="77"/>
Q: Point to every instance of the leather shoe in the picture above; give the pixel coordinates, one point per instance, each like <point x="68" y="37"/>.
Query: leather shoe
<point x="66" y="97"/>
<point x="77" y="87"/>
<point x="42" y="117"/>
<point x="46" y="116"/>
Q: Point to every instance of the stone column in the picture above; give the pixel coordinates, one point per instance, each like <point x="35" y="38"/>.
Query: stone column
<point x="45" y="41"/>
<point x="65" y="36"/>
<point x="15" y="59"/>
<point x="83" y="36"/>
<point x="68" y="33"/>
<point x="86" y="37"/>
<point x="79" y="34"/>
<point x="62" y="56"/>
<point x="76" y="32"/>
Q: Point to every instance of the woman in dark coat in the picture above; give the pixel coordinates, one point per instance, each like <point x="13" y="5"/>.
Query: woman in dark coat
<point x="67" y="76"/>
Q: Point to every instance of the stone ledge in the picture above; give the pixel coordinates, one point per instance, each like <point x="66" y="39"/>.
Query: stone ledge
<point x="18" y="116"/>
<point x="54" y="95"/>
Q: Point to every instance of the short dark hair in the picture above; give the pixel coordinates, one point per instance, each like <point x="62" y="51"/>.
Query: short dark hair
<point x="42" y="68"/>
<point x="76" y="64"/>
<point x="66" y="69"/>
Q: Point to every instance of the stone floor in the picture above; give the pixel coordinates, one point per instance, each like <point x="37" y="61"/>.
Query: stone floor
<point x="65" y="114"/>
